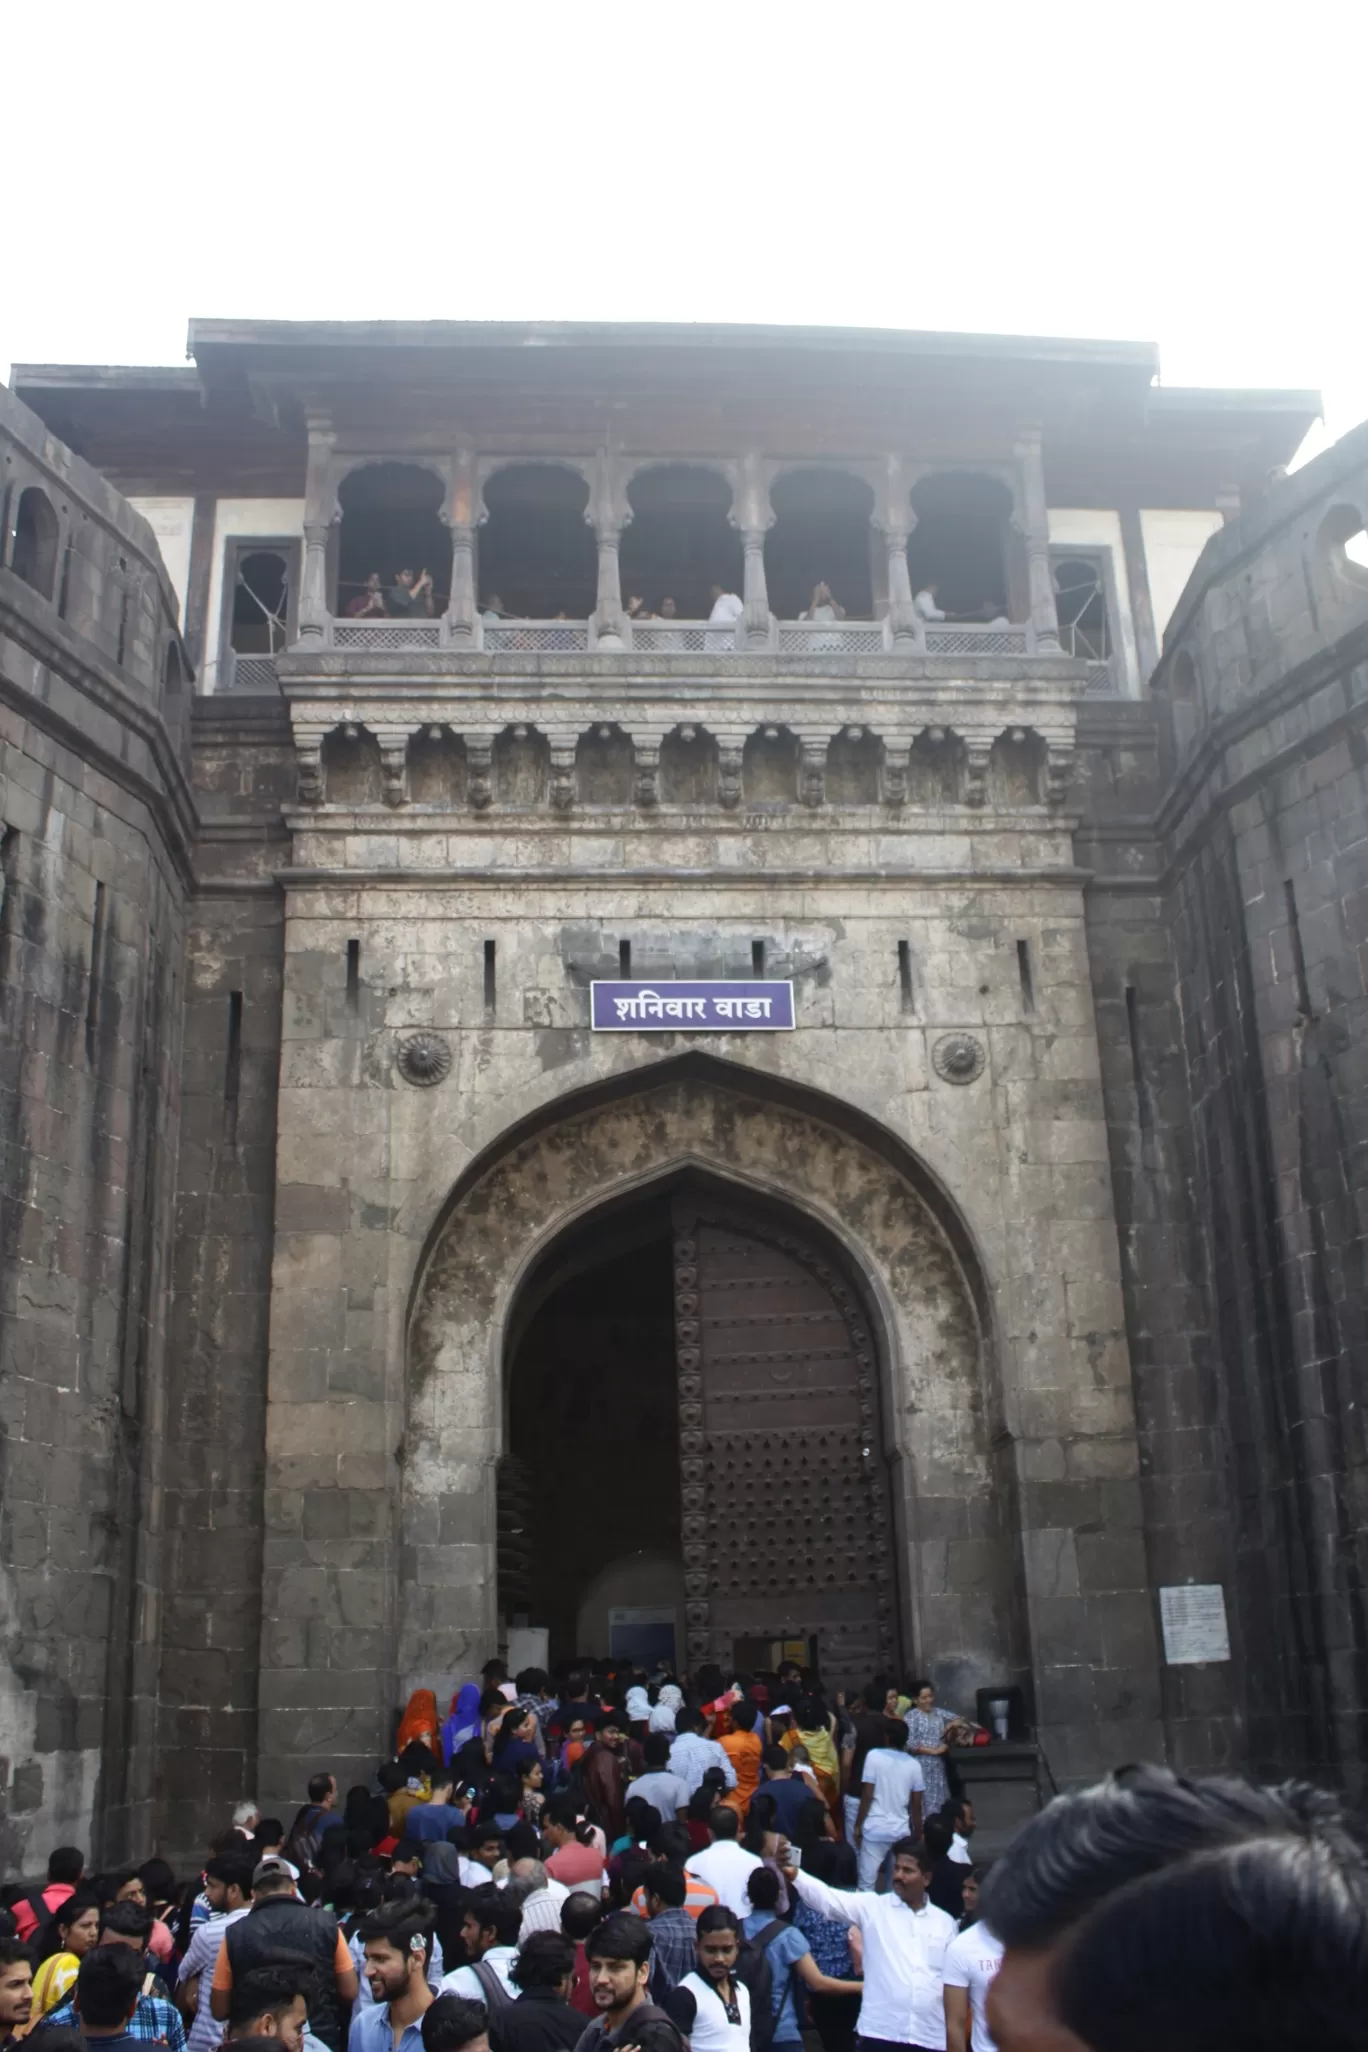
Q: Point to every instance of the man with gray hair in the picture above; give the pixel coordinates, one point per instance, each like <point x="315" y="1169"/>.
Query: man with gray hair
<point x="246" y="1817"/>
<point x="541" y="1905"/>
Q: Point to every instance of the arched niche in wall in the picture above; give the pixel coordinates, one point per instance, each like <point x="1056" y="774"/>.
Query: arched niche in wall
<point x="35" y="541"/>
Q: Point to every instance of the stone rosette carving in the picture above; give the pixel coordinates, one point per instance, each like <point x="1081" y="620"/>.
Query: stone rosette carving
<point x="958" y="1058"/>
<point x="423" y="1059"/>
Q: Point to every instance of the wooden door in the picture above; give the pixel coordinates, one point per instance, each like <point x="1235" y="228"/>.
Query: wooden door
<point x="784" y="1486"/>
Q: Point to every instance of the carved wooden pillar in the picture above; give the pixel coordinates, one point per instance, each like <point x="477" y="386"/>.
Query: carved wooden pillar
<point x="608" y="513"/>
<point x="320" y="511"/>
<point x="897" y="520"/>
<point x="479" y="770"/>
<point x="1035" y="520"/>
<point x="753" y="515"/>
<point x="463" y="517"/>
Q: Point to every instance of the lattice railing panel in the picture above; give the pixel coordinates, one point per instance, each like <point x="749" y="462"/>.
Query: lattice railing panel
<point x="536" y="637"/>
<point x="963" y="640"/>
<point x="823" y="637"/>
<point x="682" y="637"/>
<point x="385" y="635"/>
<point x="254" y="673"/>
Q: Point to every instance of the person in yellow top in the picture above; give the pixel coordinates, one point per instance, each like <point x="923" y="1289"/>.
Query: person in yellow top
<point x="68" y="1936"/>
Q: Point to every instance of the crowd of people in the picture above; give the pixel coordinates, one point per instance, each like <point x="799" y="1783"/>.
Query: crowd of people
<point x="633" y="1864"/>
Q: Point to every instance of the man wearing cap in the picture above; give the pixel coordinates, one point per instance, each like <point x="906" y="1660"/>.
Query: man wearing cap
<point x="280" y="1930"/>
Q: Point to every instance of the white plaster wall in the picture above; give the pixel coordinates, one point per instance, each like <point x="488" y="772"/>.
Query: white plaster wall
<point x="270" y="519"/>
<point x="171" y="521"/>
<point x="1091" y="527"/>
<point x="1174" y="539"/>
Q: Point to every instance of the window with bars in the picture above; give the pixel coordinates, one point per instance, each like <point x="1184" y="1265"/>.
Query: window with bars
<point x="1082" y="603"/>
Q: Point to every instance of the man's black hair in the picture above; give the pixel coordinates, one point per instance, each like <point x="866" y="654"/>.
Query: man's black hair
<point x="953" y="1809"/>
<point x="655" y="1750"/>
<point x="320" y="1787"/>
<point x="762" y="1886"/>
<point x="672" y="1842"/>
<point x="717" y="1917"/>
<point x="580" y="1912"/>
<point x="521" y="1841"/>
<point x="895" y="1735"/>
<point x="913" y="1849"/>
<point x="1198" y="1913"/>
<point x="643" y="1819"/>
<point x="158" y="1877"/>
<point x="66" y="1864"/>
<point x="451" y="2022"/>
<point x="744" y="1715"/>
<point x="689" y="1720"/>
<point x="668" y="1883"/>
<point x="129" y="1919"/>
<point x="495" y="1671"/>
<point x="108" y="1985"/>
<point x="544" y="1959"/>
<point x="937" y="1835"/>
<point x="234" y="1870"/>
<point x="723" y="1823"/>
<point x="265" y="1991"/>
<point x="532" y="1681"/>
<point x="777" y="1760"/>
<point x="621" y="1935"/>
<point x="14" y="1952"/>
<point x="399" y="1923"/>
<point x="493" y="1911"/>
<point x="407" y="1850"/>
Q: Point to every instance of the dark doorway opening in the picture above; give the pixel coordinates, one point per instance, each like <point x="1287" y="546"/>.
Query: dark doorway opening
<point x="589" y="1489"/>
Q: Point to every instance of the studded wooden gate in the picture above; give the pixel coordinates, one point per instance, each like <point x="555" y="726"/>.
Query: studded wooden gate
<point x="785" y="1496"/>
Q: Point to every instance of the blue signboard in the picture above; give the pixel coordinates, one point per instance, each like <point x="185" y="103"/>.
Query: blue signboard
<point x="764" y="1007"/>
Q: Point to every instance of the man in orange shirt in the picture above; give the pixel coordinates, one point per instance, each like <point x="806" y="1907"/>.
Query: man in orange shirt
<point x="743" y="1747"/>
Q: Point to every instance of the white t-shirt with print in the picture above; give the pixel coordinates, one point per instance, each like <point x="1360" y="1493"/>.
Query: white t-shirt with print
<point x="971" y="1960"/>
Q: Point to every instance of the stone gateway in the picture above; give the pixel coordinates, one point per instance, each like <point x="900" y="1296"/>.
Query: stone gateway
<point x="706" y="980"/>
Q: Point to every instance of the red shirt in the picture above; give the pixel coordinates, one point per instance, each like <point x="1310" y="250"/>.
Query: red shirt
<point x="574" y="1864"/>
<point x="54" y="1895"/>
<point x="581" y="1997"/>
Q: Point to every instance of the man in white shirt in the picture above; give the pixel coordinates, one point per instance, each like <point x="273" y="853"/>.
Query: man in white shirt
<point x="959" y="1815"/>
<point x="727" y="608"/>
<point x="669" y="1793"/>
<point x="891" y="1789"/>
<point x="692" y="1755"/>
<point x="490" y="1930"/>
<point x="905" y="1941"/>
<point x="725" y="1865"/>
<point x="971" y="1960"/>
<point x="925" y="603"/>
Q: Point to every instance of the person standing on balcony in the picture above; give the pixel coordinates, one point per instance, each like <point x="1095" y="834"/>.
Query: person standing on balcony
<point x="727" y="610"/>
<point x="822" y="606"/>
<point x="925" y="602"/>
<point x="410" y="597"/>
<point x="369" y="603"/>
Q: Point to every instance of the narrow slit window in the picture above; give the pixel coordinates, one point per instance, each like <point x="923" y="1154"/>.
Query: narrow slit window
<point x="1137" y="1065"/>
<point x="905" y="975"/>
<point x="232" y="1068"/>
<point x="1024" y="972"/>
<point x="97" y="937"/>
<point x="491" y="985"/>
<point x="1294" y="932"/>
<point x="757" y="958"/>
<point x="624" y="958"/>
<point x="354" y="975"/>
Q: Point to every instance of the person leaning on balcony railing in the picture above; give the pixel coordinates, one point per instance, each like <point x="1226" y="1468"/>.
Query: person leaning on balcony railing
<point x="637" y="609"/>
<point x="925" y="602"/>
<point x="369" y="603"/>
<point x="727" y="607"/>
<point x="410" y="597"/>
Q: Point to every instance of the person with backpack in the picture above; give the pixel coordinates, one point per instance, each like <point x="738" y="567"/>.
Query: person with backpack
<point x="713" y="2006"/>
<point x="64" y="1870"/>
<point x="790" y="1961"/>
<point x="618" y="1953"/>
<point x="280" y="1930"/>
<point x="312" y="1819"/>
<point x="490" y="1929"/>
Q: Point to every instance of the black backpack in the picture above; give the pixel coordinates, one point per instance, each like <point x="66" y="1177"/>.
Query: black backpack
<point x="497" y="1997"/>
<point x="753" y="1968"/>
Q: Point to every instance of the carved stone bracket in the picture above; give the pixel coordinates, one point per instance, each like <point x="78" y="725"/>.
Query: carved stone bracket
<point x="812" y="780"/>
<point x="562" y="747"/>
<point x="977" y="749"/>
<point x="309" y="756"/>
<point x="479" y="770"/>
<point x="729" y="773"/>
<point x="393" y="743"/>
<point x="646" y="788"/>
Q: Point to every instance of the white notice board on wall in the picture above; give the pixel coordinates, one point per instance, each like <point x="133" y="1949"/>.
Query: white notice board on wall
<point x="1194" y="1621"/>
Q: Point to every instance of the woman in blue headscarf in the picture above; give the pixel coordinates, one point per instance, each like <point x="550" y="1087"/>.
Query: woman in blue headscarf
<point x="464" y="1721"/>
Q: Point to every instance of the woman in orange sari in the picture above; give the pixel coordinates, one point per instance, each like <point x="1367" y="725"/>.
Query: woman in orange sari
<point x="419" y="1722"/>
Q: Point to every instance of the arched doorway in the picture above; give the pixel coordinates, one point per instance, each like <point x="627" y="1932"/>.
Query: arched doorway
<point x="871" y="1215"/>
<point x="694" y="1441"/>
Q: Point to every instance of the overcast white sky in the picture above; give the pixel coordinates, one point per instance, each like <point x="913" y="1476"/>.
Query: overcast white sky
<point x="1192" y="174"/>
